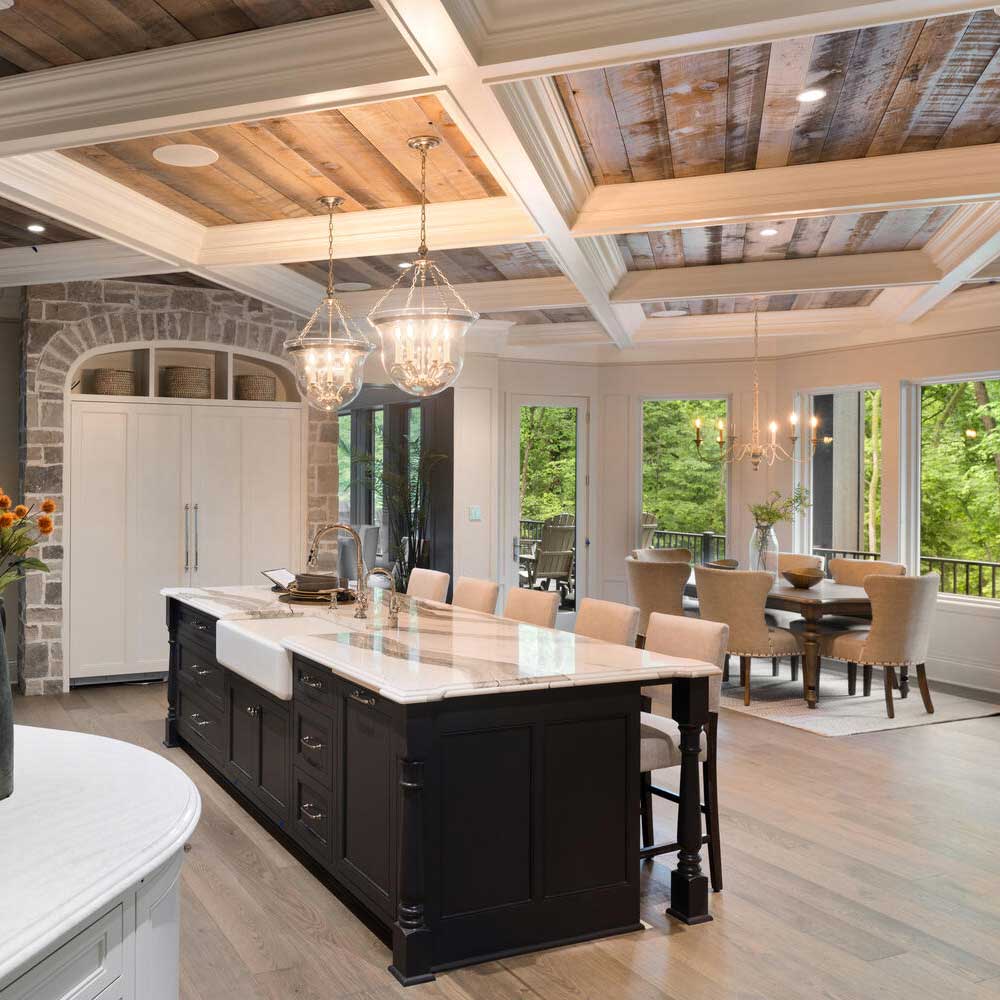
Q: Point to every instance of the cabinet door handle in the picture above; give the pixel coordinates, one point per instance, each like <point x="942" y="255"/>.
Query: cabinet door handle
<point x="309" y="810"/>
<point x="196" y="538"/>
<point x="201" y="671"/>
<point x="199" y="721"/>
<point x="187" y="535"/>
<point x="311" y="743"/>
<point x="363" y="698"/>
<point x="311" y="682"/>
<point x="201" y="626"/>
<point x="253" y="711"/>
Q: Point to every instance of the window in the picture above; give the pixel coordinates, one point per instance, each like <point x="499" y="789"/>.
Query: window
<point x="683" y="486"/>
<point x="378" y="461"/>
<point x="344" y="467"/>
<point x="960" y="485"/>
<point x="846" y="488"/>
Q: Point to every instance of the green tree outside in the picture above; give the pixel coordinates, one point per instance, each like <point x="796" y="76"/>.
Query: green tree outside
<point x="547" y="461"/>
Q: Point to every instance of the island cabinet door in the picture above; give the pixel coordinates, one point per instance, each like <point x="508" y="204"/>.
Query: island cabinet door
<point x="365" y="783"/>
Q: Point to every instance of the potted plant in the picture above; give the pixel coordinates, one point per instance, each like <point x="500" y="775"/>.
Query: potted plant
<point x="764" y="540"/>
<point x="21" y="528"/>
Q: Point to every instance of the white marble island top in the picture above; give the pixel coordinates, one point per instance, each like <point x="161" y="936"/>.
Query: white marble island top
<point x="437" y="651"/>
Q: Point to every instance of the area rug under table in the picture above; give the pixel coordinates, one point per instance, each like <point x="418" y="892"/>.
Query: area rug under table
<point x="779" y="699"/>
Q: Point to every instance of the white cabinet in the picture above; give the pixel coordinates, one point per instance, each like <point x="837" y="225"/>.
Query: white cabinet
<point x="171" y="495"/>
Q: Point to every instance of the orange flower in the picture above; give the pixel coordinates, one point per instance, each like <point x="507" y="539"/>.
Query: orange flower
<point x="48" y="506"/>
<point x="5" y="502"/>
<point x="20" y="510"/>
<point x="45" y="525"/>
<point x="6" y="520"/>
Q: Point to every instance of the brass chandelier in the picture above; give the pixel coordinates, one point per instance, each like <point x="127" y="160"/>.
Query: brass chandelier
<point x="757" y="450"/>
<point x="423" y="342"/>
<point x="330" y="363"/>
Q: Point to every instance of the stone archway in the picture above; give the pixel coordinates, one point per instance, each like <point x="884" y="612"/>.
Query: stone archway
<point x="66" y="321"/>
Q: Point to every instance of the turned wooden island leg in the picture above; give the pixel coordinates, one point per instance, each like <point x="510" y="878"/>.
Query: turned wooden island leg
<point x="688" y="884"/>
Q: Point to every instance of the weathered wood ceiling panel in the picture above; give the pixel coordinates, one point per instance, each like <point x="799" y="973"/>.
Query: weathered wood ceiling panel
<point x="277" y="168"/>
<point x="465" y="266"/>
<point x="543" y="317"/>
<point x="38" y="34"/>
<point x="14" y="222"/>
<point x="894" y="88"/>
<point x="826" y="236"/>
<point x="766" y="303"/>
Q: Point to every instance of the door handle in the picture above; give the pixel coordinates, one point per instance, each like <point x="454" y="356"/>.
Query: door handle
<point x="517" y="549"/>
<point x="253" y="711"/>
<point x="187" y="536"/>
<point x="201" y="671"/>
<point x="199" y="721"/>
<point x="196" y="538"/>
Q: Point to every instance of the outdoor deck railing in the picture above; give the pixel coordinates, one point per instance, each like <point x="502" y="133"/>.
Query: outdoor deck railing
<point x="705" y="546"/>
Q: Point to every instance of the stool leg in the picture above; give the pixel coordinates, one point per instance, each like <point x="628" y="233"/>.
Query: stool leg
<point x="888" y="677"/>
<point x="866" y="672"/>
<point x="725" y="671"/>
<point x="904" y="681"/>
<point x="745" y="662"/>
<point x="925" y="691"/>
<point x="774" y="666"/>
<point x="795" y="668"/>
<point x="852" y="678"/>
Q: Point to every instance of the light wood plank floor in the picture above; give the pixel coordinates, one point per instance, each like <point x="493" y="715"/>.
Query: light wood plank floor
<point x="861" y="867"/>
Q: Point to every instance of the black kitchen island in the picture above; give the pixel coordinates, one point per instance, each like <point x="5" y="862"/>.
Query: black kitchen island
<point x="471" y="782"/>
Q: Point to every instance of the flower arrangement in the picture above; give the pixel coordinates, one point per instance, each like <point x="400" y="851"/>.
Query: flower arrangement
<point x="21" y="528"/>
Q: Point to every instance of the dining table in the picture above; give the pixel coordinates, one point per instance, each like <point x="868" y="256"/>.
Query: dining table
<point x="823" y="600"/>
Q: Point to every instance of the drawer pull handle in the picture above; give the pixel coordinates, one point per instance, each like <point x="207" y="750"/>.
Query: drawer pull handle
<point x="311" y="812"/>
<point x="311" y="682"/>
<point x="199" y="721"/>
<point x="365" y="699"/>
<point x="253" y="711"/>
<point x="311" y="743"/>
<point x="201" y="671"/>
<point x="202" y="627"/>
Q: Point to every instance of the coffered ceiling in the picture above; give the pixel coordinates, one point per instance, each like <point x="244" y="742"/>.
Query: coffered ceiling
<point x="765" y="303"/>
<point x="14" y="222"/>
<point x="39" y="34"/>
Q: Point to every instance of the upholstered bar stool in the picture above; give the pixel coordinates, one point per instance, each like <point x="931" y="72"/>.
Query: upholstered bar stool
<point x="607" y="621"/>
<point x="476" y="595"/>
<point x="663" y="555"/>
<point x="902" y="612"/>
<point x="534" y="607"/>
<point x="736" y="598"/>
<point x="656" y="587"/>
<point x="430" y="584"/>
<point x="659" y="735"/>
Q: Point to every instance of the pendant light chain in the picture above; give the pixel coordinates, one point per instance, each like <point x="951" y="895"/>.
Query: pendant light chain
<point x="329" y="251"/>
<point x="422" y="249"/>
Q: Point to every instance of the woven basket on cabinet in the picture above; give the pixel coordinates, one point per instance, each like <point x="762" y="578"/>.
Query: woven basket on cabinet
<point x="114" y="382"/>
<point x="180" y="382"/>
<point x="260" y="388"/>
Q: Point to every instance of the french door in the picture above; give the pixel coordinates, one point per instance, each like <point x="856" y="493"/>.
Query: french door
<point x="547" y="475"/>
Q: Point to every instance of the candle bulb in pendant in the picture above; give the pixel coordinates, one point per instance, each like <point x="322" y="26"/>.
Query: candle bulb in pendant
<point x="721" y="426"/>
<point x="773" y="428"/>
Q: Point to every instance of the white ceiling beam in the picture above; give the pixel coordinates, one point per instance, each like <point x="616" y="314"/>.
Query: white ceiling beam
<point x="517" y="39"/>
<point x="526" y="157"/>
<point x="962" y="247"/>
<point x="321" y="63"/>
<point x="874" y="184"/>
<point x="778" y="277"/>
<point x="79" y="260"/>
<point x="989" y="273"/>
<point x="450" y="225"/>
<point x="563" y="334"/>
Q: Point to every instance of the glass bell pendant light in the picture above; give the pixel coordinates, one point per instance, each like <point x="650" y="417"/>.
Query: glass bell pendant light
<point x="330" y="353"/>
<point x="423" y="340"/>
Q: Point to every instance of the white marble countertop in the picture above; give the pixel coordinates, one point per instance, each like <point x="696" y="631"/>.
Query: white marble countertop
<point x="230" y="602"/>
<point x="89" y="818"/>
<point x="437" y="651"/>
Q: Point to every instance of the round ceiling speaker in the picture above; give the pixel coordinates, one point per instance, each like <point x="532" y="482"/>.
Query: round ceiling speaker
<point x="182" y="154"/>
<point x="668" y="313"/>
<point x="351" y="286"/>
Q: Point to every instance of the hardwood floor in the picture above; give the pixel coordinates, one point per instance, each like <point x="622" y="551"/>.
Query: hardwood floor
<point x="856" y="867"/>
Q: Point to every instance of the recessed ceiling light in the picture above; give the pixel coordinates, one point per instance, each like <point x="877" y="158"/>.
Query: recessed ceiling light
<point x="183" y="154"/>
<point x="403" y="265"/>
<point x="35" y="227"/>
<point x="351" y="286"/>
<point x="669" y="313"/>
<point x="769" y="231"/>
<point x="811" y="95"/>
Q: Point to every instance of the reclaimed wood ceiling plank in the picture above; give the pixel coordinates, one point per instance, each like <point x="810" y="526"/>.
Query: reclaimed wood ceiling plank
<point x="580" y="130"/>
<point x="591" y="94"/>
<point x="637" y="94"/>
<point x="788" y="69"/>
<point x="695" y="91"/>
<point x="748" y="67"/>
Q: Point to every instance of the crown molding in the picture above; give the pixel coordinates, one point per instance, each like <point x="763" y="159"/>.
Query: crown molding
<point x="291" y="69"/>
<point x="78" y="260"/>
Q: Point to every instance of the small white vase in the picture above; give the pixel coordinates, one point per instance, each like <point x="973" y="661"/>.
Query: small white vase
<point x="764" y="550"/>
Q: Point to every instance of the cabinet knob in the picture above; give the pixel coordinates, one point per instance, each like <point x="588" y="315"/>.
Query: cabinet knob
<point x="310" y="811"/>
<point x="253" y="711"/>
<point x="201" y="671"/>
<point x="201" y="626"/>
<point x="311" y="743"/>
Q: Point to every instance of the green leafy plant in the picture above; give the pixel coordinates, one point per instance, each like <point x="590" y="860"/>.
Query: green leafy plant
<point x="21" y="528"/>
<point x="777" y="508"/>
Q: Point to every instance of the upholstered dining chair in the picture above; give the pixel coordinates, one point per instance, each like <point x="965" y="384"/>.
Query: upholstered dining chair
<point x="656" y="586"/>
<point x="534" y="607"/>
<point x="430" y="584"/>
<point x="902" y="613"/>
<point x="663" y="555"/>
<point x="798" y="561"/>
<point x="659" y="735"/>
<point x="737" y="598"/>
<point x="607" y="621"/>
<point x="476" y="595"/>
<point x="854" y="572"/>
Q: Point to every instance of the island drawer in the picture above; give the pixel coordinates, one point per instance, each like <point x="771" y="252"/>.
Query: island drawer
<point x="197" y="667"/>
<point x="313" y="743"/>
<point x="201" y="724"/>
<point x="195" y="624"/>
<point x="312" y="821"/>
<point x="313" y="683"/>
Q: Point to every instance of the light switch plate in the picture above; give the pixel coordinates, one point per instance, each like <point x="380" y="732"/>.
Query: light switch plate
<point x="475" y="513"/>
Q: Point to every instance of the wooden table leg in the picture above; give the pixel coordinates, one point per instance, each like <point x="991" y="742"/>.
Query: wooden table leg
<point x="810" y="661"/>
<point x="688" y="885"/>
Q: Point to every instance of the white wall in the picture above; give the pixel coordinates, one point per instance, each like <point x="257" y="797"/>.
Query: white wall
<point x="967" y="633"/>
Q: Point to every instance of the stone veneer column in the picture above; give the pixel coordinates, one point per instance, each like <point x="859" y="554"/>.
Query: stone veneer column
<point x="65" y="320"/>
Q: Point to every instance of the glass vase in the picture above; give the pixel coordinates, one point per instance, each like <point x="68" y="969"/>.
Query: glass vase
<point x="764" y="550"/>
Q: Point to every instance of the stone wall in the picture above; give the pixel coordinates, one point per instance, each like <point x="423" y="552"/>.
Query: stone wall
<point x="65" y="320"/>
